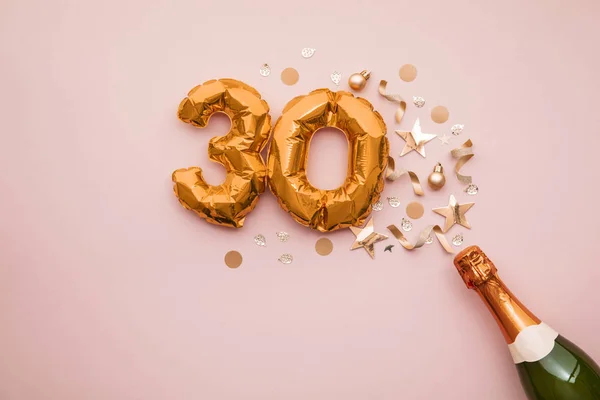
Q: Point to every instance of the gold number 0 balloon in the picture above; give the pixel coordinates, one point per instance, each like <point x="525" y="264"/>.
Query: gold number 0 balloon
<point x="239" y="151"/>
<point x="350" y="204"/>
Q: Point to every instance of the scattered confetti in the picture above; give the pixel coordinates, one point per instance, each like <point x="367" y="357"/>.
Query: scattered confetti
<point x="457" y="129"/>
<point x="423" y="237"/>
<point x="393" y="201"/>
<point x="324" y="246"/>
<point x="472" y="189"/>
<point x="418" y="101"/>
<point x="308" y="52"/>
<point x="408" y="72"/>
<point x="286" y="258"/>
<point x="260" y="240"/>
<point x="406" y="225"/>
<point x="233" y="259"/>
<point x="440" y="114"/>
<point x="265" y="70"/>
<point x="290" y="76"/>
<point x="336" y="77"/>
<point x="415" y="210"/>
<point x="283" y="236"/>
<point x="378" y="205"/>
<point x="429" y="239"/>
<point x="389" y="248"/>
<point x="458" y="240"/>
<point x="445" y="139"/>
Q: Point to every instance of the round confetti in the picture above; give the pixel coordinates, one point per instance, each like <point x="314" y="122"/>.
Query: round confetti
<point x="458" y="240"/>
<point x="286" y="259"/>
<point x="415" y="210"/>
<point x="283" y="236"/>
<point x="260" y="240"/>
<point x="393" y="201"/>
<point x="440" y="114"/>
<point x="418" y="101"/>
<point x="308" y="52"/>
<point x="324" y="246"/>
<point x="457" y="129"/>
<point x="378" y="205"/>
<point x="289" y="76"/>
<point x="408" y="72"/>
<point x="472" y="189"/>
<point x="406" y="225"/>
<point x="429" y="239"/>
<point x="336" y="77"/>
<point x="265" y="70"/>
<point x="233" y="259"/>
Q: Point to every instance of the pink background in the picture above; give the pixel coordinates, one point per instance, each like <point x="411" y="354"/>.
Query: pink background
<point x="109" y="289"/>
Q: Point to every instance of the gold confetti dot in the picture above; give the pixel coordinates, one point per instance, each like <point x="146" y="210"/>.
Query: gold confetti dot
<point x="440" y="114"/>
<point x="408" y="72"/>
<point x="289" y="76"/>
<point x="415" y="210"/>
<point x="233" y="259"/>
<point x="324" y="246"/>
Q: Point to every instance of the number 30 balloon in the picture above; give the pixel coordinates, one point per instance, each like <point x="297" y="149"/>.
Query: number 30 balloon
<point x="239" y="151"/>
<point x="350" y="204"/>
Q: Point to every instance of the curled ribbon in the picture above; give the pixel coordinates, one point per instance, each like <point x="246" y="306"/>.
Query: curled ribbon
<point x="463" y="153"/>
<point x="392" y="174"/>
<point x="394" y="98"/>
<point x="423" y="236"/>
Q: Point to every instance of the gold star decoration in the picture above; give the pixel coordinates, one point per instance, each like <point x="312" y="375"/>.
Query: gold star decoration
<point x="366" y="238"/>
<point x="454" y="213"/>
<point x="415" y="139"/>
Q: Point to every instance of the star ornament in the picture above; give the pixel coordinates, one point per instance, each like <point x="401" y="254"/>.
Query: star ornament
<point x="366" y="238"/>
<point x="415" y="139"/>
<point x="454" y="213"/>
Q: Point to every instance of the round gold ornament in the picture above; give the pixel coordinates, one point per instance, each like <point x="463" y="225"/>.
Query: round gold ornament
<point x="436" y="179"/>
<point x="359" y="80"/>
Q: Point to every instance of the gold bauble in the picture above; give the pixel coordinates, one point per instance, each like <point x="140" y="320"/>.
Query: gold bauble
<point x="436" y="179"/>
<point x="359" y="80"/>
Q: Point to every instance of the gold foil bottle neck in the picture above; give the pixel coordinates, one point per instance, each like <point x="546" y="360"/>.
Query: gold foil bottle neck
<point x="474" y="267"/>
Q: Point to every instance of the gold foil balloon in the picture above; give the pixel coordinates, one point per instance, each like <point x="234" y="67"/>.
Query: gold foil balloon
<point x="238" y="151"/>
<point x="350" y="204"/>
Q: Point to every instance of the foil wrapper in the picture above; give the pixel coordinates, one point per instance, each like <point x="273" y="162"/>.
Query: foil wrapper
<point x="350" y="204"/>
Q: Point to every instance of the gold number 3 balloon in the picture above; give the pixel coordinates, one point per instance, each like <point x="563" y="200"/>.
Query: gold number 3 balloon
<point x="350" y="204"/>
<point x="238" y="151"/>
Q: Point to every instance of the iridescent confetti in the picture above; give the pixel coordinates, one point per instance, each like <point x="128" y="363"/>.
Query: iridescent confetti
<point x="378" y="206"/>
<point x="260" y="240"/>
<point x="445" y="139"/>
<point x="283" y="236"/>
<point x="457" y="129"/>
<point x="265" y="70"/>
<point x="429" y="239"/>
<point x="308" y="52"/>
<point x="393" y="201"/>
<point x="418" y="101"/>
<point x="458" y="240"/>
<point x="336" y="77"/>
<point x="286" y="258"/>
<point x="406" y="225"/>
<point x="472" y="189"/>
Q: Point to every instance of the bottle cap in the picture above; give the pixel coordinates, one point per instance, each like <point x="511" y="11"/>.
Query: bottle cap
<point x="474" y="267"/>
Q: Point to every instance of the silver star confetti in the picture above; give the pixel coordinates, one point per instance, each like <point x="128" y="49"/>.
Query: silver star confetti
<point x="260" y="240"/>
<point x="458" y="240"/>
<point x="378" y="206"/>
<point x="336" y="77"/>
<point x="472" y="189"/>
<point x="393" y="201"/>
<point x="308" y="52"/>
<point x="265" y="70"/>
<point x="406" y="225"/>
<point x="457" y="129"/>
<point x="445" y="139"/>
<point x="418" y="101"/>
<point x="283" y="236"/>
<point x="286" y="258"/>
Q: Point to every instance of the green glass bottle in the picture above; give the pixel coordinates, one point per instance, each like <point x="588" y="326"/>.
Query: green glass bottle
<point x="550" y="367"/>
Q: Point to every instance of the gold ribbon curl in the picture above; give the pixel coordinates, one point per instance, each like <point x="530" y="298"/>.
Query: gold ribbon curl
<point x="463" y="153"/>
<point x="392" y="174"/>
<point x="423" y="236"/>
<point x="394" y="98"/>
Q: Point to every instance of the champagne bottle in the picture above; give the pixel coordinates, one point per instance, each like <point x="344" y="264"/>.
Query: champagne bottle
<point x="550" y="367"/>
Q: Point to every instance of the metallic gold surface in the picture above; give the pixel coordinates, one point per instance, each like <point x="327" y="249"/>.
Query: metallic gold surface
<point x="423" y="235"/>
<point x="350" y="204"/>
<point x="463" y="153"/>
<point x="359" y="80"/>
<point x="454" y="213"/>
<point x="238" y="151"/>
<point x="479" y="273"/>
<point x="366" y="238"/>
<point x="392" y="174"/>
<point x="394" y="98"/>
<point x="436" y="180"/>
<point x="415" y="139"/>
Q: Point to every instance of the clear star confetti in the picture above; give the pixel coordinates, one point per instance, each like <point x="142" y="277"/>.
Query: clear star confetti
<point x="454" y="213"/>
<point x="418" y="101"/>
<point x="286" y="258"/>
<point x="445" y="139"/>
<point x="415" y="139"/>
<point x="336" y="77"/>
<point x="366" y="238"/>
<point x="260" y="240"/>
<point x="265" y="70"/>
<point x="283" y="236"/>
<point x="308" y="52"/>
